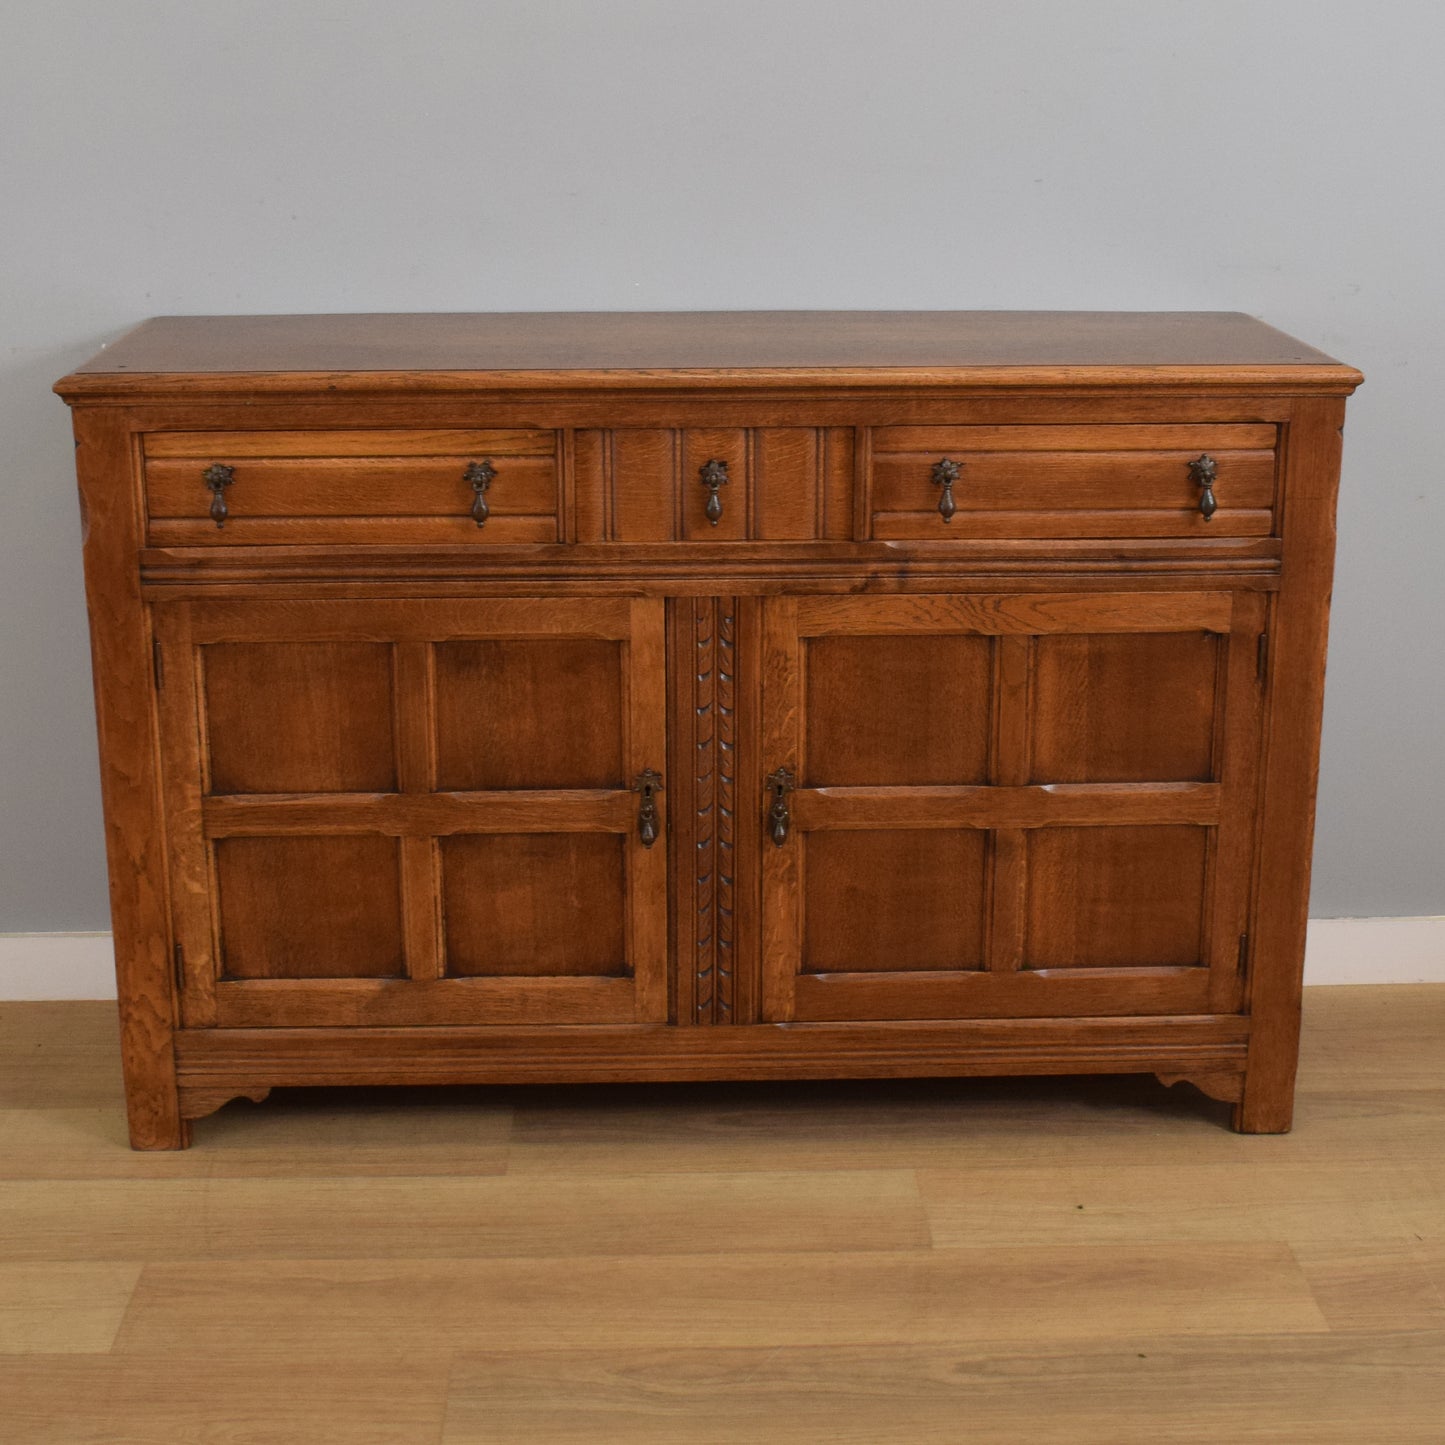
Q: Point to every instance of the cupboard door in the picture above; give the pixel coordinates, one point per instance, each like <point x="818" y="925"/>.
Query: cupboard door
<point x="1008" y="805"/>
<point x="415" y="812"/>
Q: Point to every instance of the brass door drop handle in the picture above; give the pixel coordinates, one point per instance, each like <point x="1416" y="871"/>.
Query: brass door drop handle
<point x="480" y="475"/>
<point x="780" y="784"/>
<point x="649" y="826"/>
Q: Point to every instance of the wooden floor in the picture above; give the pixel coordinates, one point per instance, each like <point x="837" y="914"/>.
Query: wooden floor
<point x="1029" y="1261"/>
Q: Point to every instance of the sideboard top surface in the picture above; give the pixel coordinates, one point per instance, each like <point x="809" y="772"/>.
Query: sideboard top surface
<point x="528" y="350"/>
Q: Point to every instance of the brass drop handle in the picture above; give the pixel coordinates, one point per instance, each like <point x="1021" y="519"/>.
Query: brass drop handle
<point x="480" y="475"/>
<point x="945" y="474"/>
<point x="648" y="785"/>
<point x="780" y="784"/>
<point x="1202" y="471"/>
<point x="714" y="476"/>
<point x="217" y="478"/>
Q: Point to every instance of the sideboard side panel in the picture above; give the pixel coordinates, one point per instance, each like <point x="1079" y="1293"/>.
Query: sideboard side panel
<point x="1298" y="633"/>
<point x="130" y="784"/>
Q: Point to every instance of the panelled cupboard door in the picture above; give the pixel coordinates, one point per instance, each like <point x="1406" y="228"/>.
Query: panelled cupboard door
<point x="416" y="812"/>
<point x="1023" y="805"/>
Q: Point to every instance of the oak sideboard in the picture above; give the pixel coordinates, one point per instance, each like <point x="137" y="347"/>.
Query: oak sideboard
<point x="591" y="697"/>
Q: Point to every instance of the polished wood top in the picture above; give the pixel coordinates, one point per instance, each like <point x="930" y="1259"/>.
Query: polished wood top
<point x="529" y="349"/>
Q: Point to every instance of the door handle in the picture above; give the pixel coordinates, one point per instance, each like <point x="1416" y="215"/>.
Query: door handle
<point x="649" y="826"/>
<point x="780" y="784"/>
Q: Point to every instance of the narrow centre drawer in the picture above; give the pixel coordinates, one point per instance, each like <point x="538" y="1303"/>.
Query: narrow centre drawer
<point x="1128" y="480"/>
<point x="334" y="487"/>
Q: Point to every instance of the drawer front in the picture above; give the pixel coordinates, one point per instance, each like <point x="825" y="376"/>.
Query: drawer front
<point x="1070" y="481"/>
<point x="335" y="487"/>
<point x="715" y="484"/>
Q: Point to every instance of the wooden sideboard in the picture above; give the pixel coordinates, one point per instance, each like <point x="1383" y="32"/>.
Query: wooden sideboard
<point x="707" y="696"/>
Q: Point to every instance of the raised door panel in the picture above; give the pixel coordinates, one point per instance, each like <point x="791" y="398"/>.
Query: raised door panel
<point x="893" y="900"/>
<point x="415" y="812"/>
<point x="1009" y="805"/>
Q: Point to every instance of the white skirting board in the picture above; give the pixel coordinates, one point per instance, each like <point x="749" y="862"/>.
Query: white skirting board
<point x="1340" y="950"/>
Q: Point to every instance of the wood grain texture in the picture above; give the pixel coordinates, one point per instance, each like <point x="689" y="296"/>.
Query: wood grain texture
<point x="59" y="1308"/>
<point x="376" y="1399"/>
<point x="1052" y="759"/>
<point x="314" y="1053"/>
<point x="1176" y="1388"/>
<point x="1056" y="1260"/>
<point x="1070" y="481"/>
<point x="197" y="354"/>
<point x="122" y="661"/>
<point x="713" y="740"/>
<point x="1299" y="628"/>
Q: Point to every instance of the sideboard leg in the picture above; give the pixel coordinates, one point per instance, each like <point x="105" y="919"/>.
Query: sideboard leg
<point x="154" y="1139"/>
<point x="1268" y="1103"/>
<point x="152" y="1095"/>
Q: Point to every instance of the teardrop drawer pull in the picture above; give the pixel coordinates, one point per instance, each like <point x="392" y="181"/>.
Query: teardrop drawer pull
<point x="714" y="476"/>
<point x="480" y="475"/>
<point x="217" y="478"/>
<point x="1203" y="470"/>
<point x="945" y="474"/>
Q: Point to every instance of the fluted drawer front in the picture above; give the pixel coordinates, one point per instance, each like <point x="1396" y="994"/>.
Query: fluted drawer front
<point x="714" y="483"/>
<point x="472" y="487"/>
<point x="947" y="483"/>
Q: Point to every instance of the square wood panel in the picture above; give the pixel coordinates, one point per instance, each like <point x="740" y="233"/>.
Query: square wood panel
<point x="896" y="710"/>
<point x="1102" y="897"/>
<point x="1124" y="707"/>
<point x="893" y="901"/>
<point x="534" y="904"/>
<point x="299" y="717"/>
<point x="529" y="713"/>
<point x="313" y="907"/>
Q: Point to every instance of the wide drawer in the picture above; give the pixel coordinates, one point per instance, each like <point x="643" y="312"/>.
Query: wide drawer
<point x="337" y="487"/>
<point x="1070" y="481"/>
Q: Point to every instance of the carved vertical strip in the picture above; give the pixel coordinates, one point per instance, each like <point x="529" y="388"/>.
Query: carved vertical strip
<point x="704" y="763"/>
<point x="725" y="797"/>
<point x="714" y="737"/>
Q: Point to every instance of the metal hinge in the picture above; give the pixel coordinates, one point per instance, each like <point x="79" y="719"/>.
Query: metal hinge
<point x="180" y="965"/>
<point x="1243" y="953"/>
<point x="158" y="663"/>
<point x="1262" y="657"/>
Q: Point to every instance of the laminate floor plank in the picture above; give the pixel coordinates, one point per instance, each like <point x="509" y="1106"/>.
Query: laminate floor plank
<point x="300" y="1134"/>
<point x="242" y="1396"/>
<point x="960" y="1123"/>
<point x="63" y="1308"/>
<point x="59" y="1055"/>
<point x="1387" y="1389"/>
<point x="1083" y="1291"/>
<point x="1158" y="1202"/>
<point x="1373" y="1284"/>
<point x="899" y="1261"/>
<point x="1363" y="1038"/>
<point x="389" y="1218"/>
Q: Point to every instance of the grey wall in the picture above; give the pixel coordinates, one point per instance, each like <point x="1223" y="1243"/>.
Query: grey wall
<point x="1281" y="157"/>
